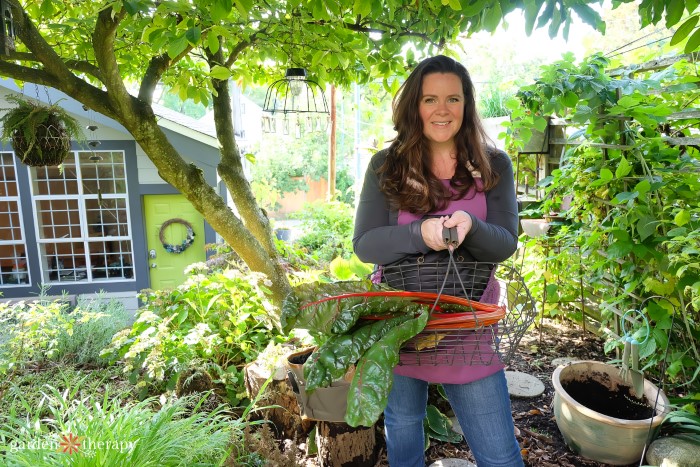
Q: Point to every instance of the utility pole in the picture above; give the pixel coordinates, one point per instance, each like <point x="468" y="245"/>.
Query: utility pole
<point x="331" y="149"/>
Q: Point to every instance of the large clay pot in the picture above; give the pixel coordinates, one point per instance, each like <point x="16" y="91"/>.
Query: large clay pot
<point x="597" y="436"/>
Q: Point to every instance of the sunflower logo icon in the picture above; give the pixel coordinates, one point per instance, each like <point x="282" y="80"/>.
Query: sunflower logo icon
<point x="69" y="443"/>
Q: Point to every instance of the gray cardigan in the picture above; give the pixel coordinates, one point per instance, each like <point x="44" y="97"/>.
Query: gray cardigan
<point x="378" y="238"/>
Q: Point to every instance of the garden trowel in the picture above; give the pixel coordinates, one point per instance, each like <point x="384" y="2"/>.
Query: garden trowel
<point x="630" y="372"/>
<point x="635" y="373"/>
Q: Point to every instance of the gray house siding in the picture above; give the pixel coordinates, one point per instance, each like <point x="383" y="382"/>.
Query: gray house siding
<point x="137" y="235"/>
<point x="197" y="144"/>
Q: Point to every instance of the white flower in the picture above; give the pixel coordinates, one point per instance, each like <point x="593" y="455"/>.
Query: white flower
<point x="197" y="334"/>
<point x="147" y="316"/>
<point x="194" y="267"/>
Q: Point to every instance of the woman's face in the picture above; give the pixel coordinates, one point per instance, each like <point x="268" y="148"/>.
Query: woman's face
<point x="441" y="107"/>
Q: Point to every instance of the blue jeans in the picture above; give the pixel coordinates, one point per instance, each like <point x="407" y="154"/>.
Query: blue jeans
<point x="483" y="411"/>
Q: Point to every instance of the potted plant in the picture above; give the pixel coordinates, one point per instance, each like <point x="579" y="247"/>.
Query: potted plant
<point x="598" y="416"/>
<point x="40" y="134"/>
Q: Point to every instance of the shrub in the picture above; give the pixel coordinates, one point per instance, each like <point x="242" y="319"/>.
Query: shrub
<point x="49" y="330"/>
<point x="31" y="331"/>
<point x="218" y="321"/>
<point x="95" y="321"/>
<point x="328" y="229"/>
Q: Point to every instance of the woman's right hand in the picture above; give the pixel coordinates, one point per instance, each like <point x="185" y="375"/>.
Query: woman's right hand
<point x="431" y="229"/>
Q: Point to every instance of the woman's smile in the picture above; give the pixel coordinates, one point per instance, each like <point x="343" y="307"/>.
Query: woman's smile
<point x="441" y="107"/>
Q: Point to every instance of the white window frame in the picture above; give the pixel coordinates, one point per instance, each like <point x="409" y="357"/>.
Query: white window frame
<point x="84" y="236"/>
<point x="22" y="243"/>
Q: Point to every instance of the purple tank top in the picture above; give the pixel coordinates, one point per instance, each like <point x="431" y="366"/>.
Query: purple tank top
<point x="474" y="358"/>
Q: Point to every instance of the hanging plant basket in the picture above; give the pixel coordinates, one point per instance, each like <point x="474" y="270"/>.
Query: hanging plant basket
<point x="51" y="146"/>
<point x="40" y="134"/>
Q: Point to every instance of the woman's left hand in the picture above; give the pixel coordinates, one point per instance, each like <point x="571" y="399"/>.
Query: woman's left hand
<point x="462" y="221"/>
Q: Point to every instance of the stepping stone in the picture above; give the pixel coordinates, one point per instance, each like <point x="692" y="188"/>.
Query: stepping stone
<point x="563" y="361"/>
<point x="452" y="463"/>
<point x="523" y="385"/>
<point x="673" y="451"/>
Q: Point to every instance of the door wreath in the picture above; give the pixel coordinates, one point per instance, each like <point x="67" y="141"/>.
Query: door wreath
<point x="189" y="239"/>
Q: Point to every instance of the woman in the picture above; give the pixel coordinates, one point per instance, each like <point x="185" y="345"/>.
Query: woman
<point x="439" y="173"/>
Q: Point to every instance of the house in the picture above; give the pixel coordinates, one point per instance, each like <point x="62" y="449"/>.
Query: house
<point x="107" y="222"/>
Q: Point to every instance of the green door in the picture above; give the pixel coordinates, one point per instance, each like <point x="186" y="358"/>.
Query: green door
<point x="166" y="267"/>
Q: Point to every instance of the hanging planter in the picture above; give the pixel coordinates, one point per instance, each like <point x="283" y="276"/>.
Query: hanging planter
<point x="40" y="134"/>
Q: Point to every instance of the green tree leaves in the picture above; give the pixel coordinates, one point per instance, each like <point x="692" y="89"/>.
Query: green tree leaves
<point x="687" y="30"/>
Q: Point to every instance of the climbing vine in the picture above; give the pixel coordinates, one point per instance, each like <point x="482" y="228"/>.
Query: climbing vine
<point x="631" y="230"/>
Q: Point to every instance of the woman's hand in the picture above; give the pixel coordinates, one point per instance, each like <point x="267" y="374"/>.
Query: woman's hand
<point x="462" y="221"/>
<point x="431" y="229"/>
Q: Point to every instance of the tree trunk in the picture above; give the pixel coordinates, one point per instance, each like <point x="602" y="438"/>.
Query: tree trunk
<point x="340" y="445"/>
<point x="286" y="419"/>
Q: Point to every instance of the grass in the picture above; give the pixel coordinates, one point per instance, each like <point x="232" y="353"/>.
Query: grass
<point x="111" y="431"/>
<point x="492" y="103"/>
<point x="25" y="389"/>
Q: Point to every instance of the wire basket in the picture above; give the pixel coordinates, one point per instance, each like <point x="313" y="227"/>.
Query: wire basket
<point x="484" y="336"/>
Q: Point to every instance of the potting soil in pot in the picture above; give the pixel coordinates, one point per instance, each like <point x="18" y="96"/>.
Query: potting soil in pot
<point x="617" y="403"/>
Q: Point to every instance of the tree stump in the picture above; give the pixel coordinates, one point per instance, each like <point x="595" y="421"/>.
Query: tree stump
<point x="340" y="445"/>
<point x="286" y="418"/>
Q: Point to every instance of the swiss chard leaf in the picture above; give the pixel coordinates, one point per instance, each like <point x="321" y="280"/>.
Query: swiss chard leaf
<point x="374" y="375"/>
<point x="333" y="359"/>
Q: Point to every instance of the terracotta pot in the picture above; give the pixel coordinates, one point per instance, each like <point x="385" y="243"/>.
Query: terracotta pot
<point x="597" y="436"/>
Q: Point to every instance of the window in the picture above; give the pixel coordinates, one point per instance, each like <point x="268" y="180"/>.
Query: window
<point x="82" y="218"/>
<point x="13" y="263"/>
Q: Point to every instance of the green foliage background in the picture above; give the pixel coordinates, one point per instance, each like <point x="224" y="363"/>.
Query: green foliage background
<point x="629" y="235"/>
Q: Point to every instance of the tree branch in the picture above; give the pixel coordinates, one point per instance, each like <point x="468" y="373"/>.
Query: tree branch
<point x="405" y="33"/>
<point x="103" y="38"/>
<point x="89" y="95"/>
<point x="230" y="167"/>
<point x="54" y="71"/>
<point x="42" y="51"/>
<point x="26" y="74"/>
<point x="241" y="46"/>
<point x="77" y="65"/>
<point x="156" y="68"/>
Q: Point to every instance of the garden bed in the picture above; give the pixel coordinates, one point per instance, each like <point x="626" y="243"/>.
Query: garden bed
<point x="74" y="374"/>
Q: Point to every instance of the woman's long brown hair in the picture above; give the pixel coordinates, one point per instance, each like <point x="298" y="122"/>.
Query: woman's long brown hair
<point x="406" y="177"/>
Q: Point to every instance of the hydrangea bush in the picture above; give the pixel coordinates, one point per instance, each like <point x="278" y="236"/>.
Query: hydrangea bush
<point x="217" y="321"/>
